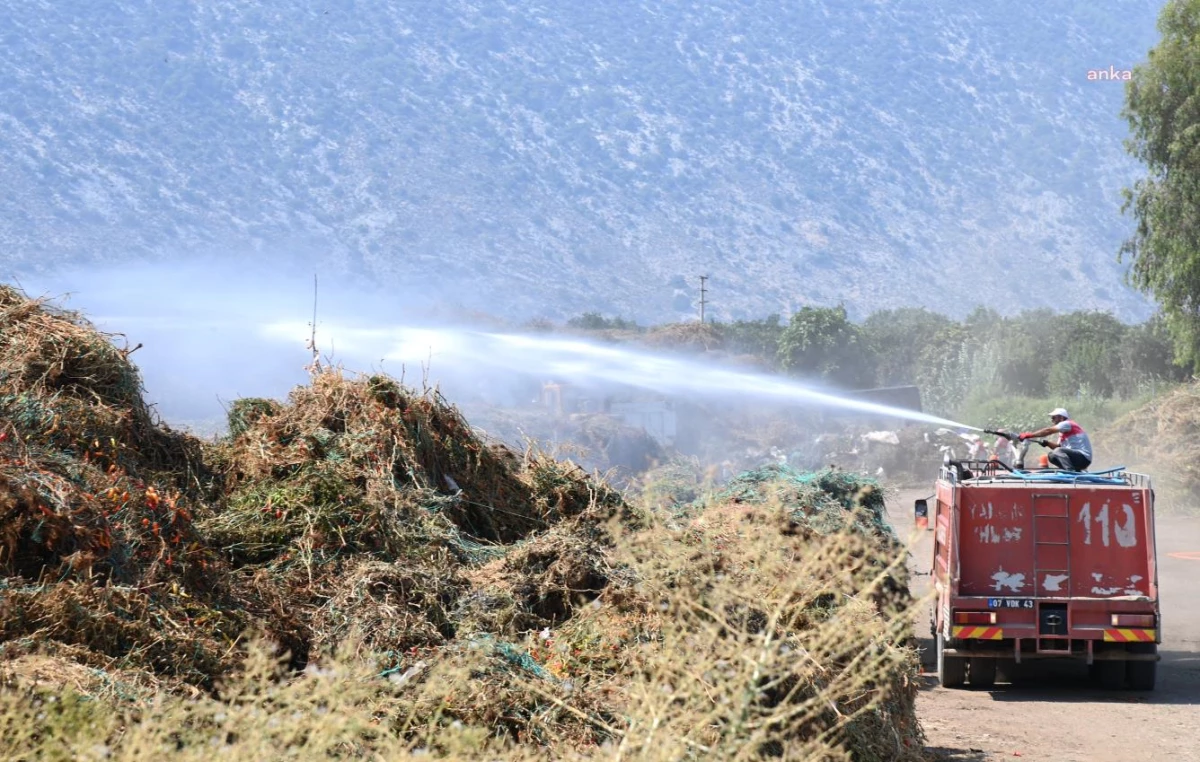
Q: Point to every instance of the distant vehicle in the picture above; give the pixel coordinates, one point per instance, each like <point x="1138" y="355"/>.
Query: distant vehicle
<point x="1043" y="564"/>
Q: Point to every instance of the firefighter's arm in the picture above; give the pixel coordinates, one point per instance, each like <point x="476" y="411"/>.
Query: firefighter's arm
<point x="1039" y="433"/>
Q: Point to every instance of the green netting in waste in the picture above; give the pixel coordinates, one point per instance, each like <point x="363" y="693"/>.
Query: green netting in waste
<point x="826" y="501"/>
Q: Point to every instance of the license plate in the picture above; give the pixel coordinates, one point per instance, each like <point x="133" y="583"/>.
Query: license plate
<point x="1010" y="603"/>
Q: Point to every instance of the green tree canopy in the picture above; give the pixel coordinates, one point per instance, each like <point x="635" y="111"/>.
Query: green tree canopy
<point x="821" y="342"/>
<point x="1162" y="106"/>
<point x="754" y="337"/>
<point x="594" y="321"/>
<point x="897" y="338"/>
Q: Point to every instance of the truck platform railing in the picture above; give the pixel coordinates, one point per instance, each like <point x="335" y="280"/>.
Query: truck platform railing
<point x="992" y="472"/>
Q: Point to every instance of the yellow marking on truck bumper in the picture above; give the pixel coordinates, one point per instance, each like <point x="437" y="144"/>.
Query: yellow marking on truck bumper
<point x="967" y="632"/>
<point x="1128" y="635"/>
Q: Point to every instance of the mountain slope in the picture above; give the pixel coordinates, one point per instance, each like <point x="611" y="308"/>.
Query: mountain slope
<point x="547" y="160"/>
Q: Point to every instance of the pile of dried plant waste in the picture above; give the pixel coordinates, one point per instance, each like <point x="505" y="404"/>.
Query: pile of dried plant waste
<point x="355" y="573"/>
<point x="1160" y="439"/>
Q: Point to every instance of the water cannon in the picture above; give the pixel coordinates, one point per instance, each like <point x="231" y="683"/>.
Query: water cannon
<point x="1016" y="438"/>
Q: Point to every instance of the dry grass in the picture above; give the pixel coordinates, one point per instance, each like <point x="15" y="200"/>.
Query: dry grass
<point x="692" y="336"/>
<point x="677" y="482"/>
<point x="740" y="638"/>
<point x="1162" y="439"/>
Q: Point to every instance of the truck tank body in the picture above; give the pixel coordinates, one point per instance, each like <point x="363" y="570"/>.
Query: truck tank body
<point x="1081" y="542"/>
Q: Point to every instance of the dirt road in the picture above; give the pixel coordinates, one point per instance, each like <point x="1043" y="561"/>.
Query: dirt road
<point x="1059" y="716"/>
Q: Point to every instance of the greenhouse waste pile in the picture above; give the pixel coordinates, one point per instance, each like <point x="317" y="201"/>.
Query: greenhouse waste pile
<point x="1160" y="439"/>
<point x="99" y="552"/>
<point x="354" y="572"/>
<point x="678" y="481"/>
<point x="825" y="501"/>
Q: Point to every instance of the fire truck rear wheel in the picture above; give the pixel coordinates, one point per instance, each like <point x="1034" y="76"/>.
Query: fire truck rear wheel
<point x="1142" y="674"/>
<point x="1111" y="674"/>
<point x="1006" y="671"/>
<point x="983" y="672"/>
<point x="952" y="670"/>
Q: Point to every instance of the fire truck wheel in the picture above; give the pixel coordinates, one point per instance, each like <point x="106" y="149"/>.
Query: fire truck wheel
<point x="1006" y="671"/>
<point x="952" y="670"/>
<point x="1142" y="673"/>
<point x="983" y="672"/>
<point x="1111" y="674"/>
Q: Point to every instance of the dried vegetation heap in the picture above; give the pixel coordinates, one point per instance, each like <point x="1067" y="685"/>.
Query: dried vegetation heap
<point x="690" y="337"/>
<point x="350" y="510"/>
<point x="1162" y="439"/>
<point x="99" y="552"/>
<point x="428" y="590"/>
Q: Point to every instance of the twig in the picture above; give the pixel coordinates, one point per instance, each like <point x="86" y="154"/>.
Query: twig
<point x="578" y="713"/>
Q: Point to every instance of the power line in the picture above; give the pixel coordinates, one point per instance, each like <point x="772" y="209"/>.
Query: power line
<point x="703" y="292"/>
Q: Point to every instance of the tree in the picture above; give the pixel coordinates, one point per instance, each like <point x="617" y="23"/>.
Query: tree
<point x="945" y="370"/>
<point x="1027" y="344"/>
<point x="897" y="337"/>
<point x="1146" y="358"/>
<point x="1086" y="357"/>
<point x="594" y="321"/>
<point x="1162" y="106"/>
<point x="821" y="342"/>
<point x="754" y="337"/>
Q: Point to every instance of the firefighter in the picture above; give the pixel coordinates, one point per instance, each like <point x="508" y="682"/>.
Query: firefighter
<point x="1074" y="449"/>
<point x="978" y="450"/>
<point x="1004" y="452"/>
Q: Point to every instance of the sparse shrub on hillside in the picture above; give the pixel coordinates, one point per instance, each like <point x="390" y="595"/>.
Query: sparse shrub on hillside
<point x="538" y="325"/>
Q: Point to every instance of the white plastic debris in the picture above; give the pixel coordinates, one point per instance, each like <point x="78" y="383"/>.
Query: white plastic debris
<point x="882" y="437"/>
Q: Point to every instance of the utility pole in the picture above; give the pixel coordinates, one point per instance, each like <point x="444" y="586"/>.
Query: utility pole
<point x="312" y="342"/>
<point x="703" y="301"/>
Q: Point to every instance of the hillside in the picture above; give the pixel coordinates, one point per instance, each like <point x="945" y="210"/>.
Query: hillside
<point x="594" y="156"/>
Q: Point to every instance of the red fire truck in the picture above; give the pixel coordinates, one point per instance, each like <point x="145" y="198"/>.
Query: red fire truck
<point x="1043" y="564"/>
